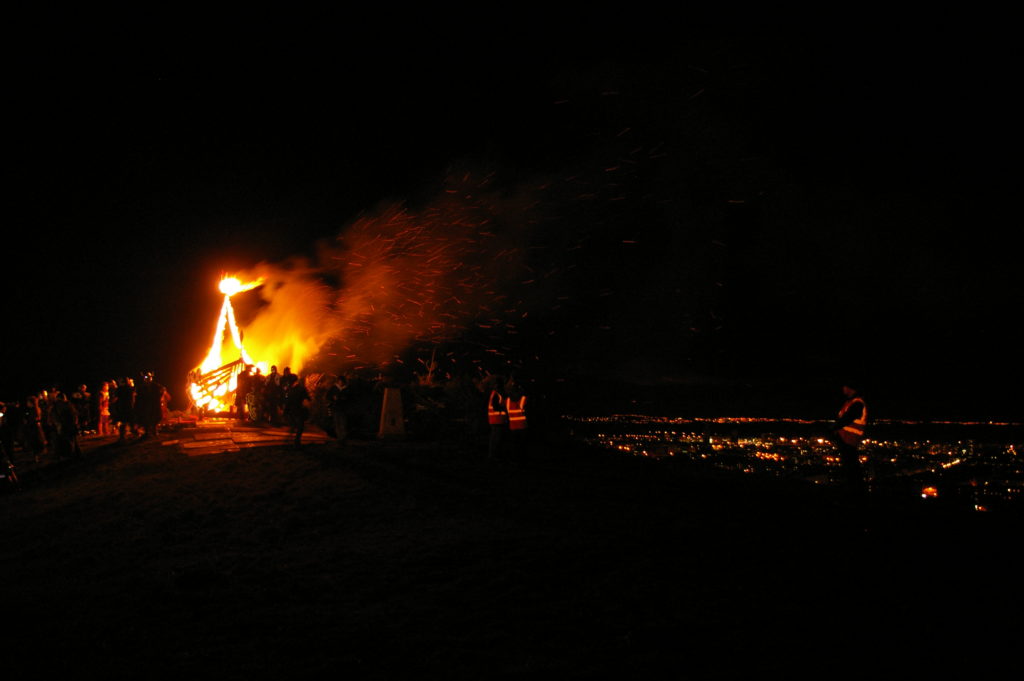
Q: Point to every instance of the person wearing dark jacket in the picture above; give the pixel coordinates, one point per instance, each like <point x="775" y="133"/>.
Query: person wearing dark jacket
<point x="125" y="407"/>
<point x="497" y="418"/>
<point x="65" y="426"/>
<point x="148" y="406"/>
<point x="7" y="430"/>
<point x="337" y="403"/>
<point x="296" y="406"/>
<point x="848" y="432"/>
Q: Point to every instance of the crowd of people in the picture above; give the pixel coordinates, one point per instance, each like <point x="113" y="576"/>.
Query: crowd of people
<point x="275" y="399"/>
<point x="50" y="423"/>
<point x="349" y="404"/>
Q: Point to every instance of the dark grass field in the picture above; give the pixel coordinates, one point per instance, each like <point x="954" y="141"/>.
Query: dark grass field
<point x="403" y="560"/>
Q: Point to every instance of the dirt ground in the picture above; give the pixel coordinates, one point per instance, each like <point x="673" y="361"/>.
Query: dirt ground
<point x="392" y="559"/>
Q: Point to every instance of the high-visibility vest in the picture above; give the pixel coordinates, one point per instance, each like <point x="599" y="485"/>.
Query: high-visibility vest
<point x="496" y="415"/>
<point x="853" y="433"/>
<point x="517" y="413"/>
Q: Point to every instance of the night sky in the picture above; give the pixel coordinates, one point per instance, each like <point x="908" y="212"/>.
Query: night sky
<point x="764" y="214"/>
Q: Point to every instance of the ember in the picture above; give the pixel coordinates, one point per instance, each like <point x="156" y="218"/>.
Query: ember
<point x="212" y="385"/>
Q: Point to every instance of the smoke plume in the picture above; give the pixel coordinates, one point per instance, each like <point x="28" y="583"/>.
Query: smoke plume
<point x="399" y="275"/>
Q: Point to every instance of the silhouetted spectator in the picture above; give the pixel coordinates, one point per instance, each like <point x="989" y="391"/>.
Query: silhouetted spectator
<point x="296" y="407"/>
<point x="7" y="429"/>
<point x="255" y="400"/>
<point x="45" y="402"/>
<point x="82" y="401"/>
<point x="273" y="397"/>
<point x="848" y="433"/>
<point x="337" y="408"/>
<point x="242" y="388"/>
<point x="125" y="409"/>
<point x="32" y="428"/>
<point x="65" y="426"/>
<point x="497" y="417"/>
<point x="147" y="405"/>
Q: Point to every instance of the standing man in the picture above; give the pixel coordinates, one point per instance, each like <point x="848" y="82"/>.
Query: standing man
<point x="516" y="413"/>
<point x="273" y="392"/>
<point x="6" y="436"/>
<point x="296" y="407"/>
<point x="848" y="433"/>
<point x="148" y="405"/>
<point x="255" y="399"/>
<point x="242" y="389"/>
<point x="497" y="417"/>
<point x="82" y="401"/>
<point x="65" y="426"/>
<point x="127" y="421"/>
<point x="8" y="476"/>
<point x="337" y="397"/>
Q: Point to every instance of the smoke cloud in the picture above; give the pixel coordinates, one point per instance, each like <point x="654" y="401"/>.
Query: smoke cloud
<point x="398" y="275"/>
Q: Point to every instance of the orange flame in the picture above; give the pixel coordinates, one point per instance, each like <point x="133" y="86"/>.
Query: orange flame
<point x="229" y="286"/>
<point x="216" y="396"/>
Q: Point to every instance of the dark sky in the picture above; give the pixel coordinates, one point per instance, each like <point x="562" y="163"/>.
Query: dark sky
<point x="766" y="213"/>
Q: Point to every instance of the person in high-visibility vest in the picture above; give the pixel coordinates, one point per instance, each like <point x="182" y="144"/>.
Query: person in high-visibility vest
<point x="497" y="417"/>
<point x="849" y="430"/>
<point x="515" y="405"/>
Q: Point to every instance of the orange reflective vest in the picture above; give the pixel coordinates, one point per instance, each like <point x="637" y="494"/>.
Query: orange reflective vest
<point x="852" y="433"/>
<point x="517" y="413"/>
<point x="496" y="415"/>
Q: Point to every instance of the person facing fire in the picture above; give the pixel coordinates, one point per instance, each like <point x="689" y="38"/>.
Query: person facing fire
<point x="165" y="404"/>
<point x="296" y="406"/>
<point x="45" y="402"/>
<point x="65" y="427"/>
<point x="32" y="433"/>
<point x="337" y="403"/>
<point x="497" y="417"/>
<point x="243" y="386"/>
<point x="6" y="435"/>
<point x="273" y="397"/>
<point x="125" y="407"/>
<point x="82" y="400"/>
<point x="148" y="404"/>
<point x="848" y="431"/>
<point x="254" y="400"/>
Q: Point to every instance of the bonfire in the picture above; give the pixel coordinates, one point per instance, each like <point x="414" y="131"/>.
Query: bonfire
<point x="213" y="383"/>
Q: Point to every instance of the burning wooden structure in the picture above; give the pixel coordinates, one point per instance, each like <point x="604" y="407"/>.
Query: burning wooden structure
<point x="213" y="383"/>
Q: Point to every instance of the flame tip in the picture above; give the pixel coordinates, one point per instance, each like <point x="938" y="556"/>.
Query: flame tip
<point x="230" y="285"/>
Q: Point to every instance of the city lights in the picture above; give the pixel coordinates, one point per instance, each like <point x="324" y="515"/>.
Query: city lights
<point x="983" y="473"/>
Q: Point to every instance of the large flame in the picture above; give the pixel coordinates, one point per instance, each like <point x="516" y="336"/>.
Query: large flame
<point x="216" y="380"/>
